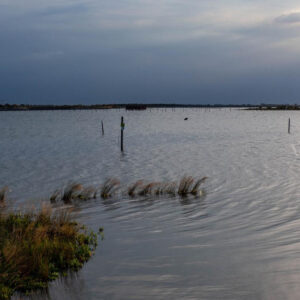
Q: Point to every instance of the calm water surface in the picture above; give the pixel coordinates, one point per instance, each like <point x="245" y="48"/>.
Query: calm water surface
<point x="240" y="241"/>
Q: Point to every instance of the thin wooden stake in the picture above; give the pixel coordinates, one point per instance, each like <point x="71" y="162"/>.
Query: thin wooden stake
<point x="289" y="126"/>
<point x="102" y="128"/>
<point x="122" y="129"/>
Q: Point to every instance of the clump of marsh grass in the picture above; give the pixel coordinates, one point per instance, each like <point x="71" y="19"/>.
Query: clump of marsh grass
<point x="185" y="186"/>
<point x="170" y="188"/>
<point x="75" y="191"/>
<point x="195" y="188"/>
<point x="37" y="247"/>
<point x="55" y="196"/>
<point x="148" y="188"/>
<point x="159" y="189"/>
<point x="165" y="188"/>
<point x="3" y="195"/>
<point x="87" y="193"/>
<point x="71" y="192"/>
<point x="132" y="188"/>
<point x="109" y="187"/>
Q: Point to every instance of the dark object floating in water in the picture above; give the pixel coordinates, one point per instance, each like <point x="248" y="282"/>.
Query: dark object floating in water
<point x="185" y="119"/>
<point x="135" y="107"/>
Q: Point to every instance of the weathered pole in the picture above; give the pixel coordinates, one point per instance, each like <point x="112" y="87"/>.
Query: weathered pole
<point x="122" y="129"/>
<point x="289" y="126"/>
<point x="102" y="128"/>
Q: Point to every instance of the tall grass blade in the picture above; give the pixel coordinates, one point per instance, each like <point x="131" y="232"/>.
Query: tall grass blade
<point x="87" y="193"/>
<point x="132" y="188"/>
<point x="147" y="189"/>
<point x="109" y="187"/>
<point x="3" y="195"/>
<point x="185" y="185"/>
<point x="55" y="196"/>
<point x="195" y="189"/>
<point x="70" y="192"/>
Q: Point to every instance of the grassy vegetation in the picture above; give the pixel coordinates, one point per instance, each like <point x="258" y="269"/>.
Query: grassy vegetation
<point x="3" y="193"/>
<point x="187" y="186"/>
<point x="132" y="188"/>
<point x="71" y="191"/>
<point x="37" y="247"/>
<point x="109" y="187"/>
<point x="75" y="191"/>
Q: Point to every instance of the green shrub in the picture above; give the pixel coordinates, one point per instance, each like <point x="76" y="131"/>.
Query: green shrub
<point x="36" y="248"/>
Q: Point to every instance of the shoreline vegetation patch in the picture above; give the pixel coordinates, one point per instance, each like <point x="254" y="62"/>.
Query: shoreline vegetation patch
<point x="187" y="186"/>
<point x="38" y="247"/>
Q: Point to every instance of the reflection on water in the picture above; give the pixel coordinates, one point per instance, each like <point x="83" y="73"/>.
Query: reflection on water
<point x="241" y="240"/>
<point x="65" y="287"/>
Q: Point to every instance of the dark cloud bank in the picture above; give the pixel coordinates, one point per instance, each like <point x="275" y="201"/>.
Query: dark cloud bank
<point x="96" y="52"/>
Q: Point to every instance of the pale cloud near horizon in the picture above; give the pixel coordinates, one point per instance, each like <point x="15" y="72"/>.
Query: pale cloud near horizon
<point x="146" y="50"/>
<point x="289" y="18"/>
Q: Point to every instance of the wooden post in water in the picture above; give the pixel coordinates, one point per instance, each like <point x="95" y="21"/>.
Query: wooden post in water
<point x="102" y="128"/>
<point x="289" y="126"/>
<point x="122" y="129"/>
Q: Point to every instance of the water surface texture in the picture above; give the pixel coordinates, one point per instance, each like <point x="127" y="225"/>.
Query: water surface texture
<point x="240" y="241"/>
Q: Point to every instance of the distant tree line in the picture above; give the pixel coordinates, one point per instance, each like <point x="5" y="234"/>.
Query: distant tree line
<point x="139" y="106"/>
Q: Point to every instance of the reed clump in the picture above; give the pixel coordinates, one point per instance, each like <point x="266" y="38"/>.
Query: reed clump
<point x="132" y="190"/>
<point x="148" y="188"/>
<point x="87" y="193"/>
<point x="71" y="192"/>
<point x="151" y="188"/>
<point x="170" y="188"/>
<point x="185" y="185"/>
<point x="195" y="188"/>
<point x="3" y="195"/>
<point x="55" y="196"/>
<point x="109" y="187"/>
<point x="37" y="247"/>
<point x="188" y="185"/>
<point x="74" y="191"/>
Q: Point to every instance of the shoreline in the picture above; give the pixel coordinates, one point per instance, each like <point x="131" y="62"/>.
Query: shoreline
<point x="129" y="106"/>
<point x="139" y="106"/>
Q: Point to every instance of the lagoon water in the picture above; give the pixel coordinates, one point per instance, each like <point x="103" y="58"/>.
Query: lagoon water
<point x="239" y="241"/>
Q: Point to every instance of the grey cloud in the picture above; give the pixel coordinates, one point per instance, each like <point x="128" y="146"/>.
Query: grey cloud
<point x="64" y="9"/>
<point x="289" y="18"/>
<point x="144" y="51"/>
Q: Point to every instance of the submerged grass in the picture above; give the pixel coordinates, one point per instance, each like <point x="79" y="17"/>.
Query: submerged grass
<point x="55" y="196"/>
<point x="109" y="187"/>
<point x="71" y="191"/>
<point x="185" y="185"/>
<point x="195" y="189"/>
<point x="133" y="188"/>
<point x="170" y="188"/>
<point x="3" y="193"/>
<point x="87" y="193"/>
<point x="36" y="248"/>
<point x="188" y="185"/>
<point x="148" y="188"/>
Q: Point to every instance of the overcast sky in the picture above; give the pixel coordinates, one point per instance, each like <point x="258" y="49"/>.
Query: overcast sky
<point x="166" y="51"/>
